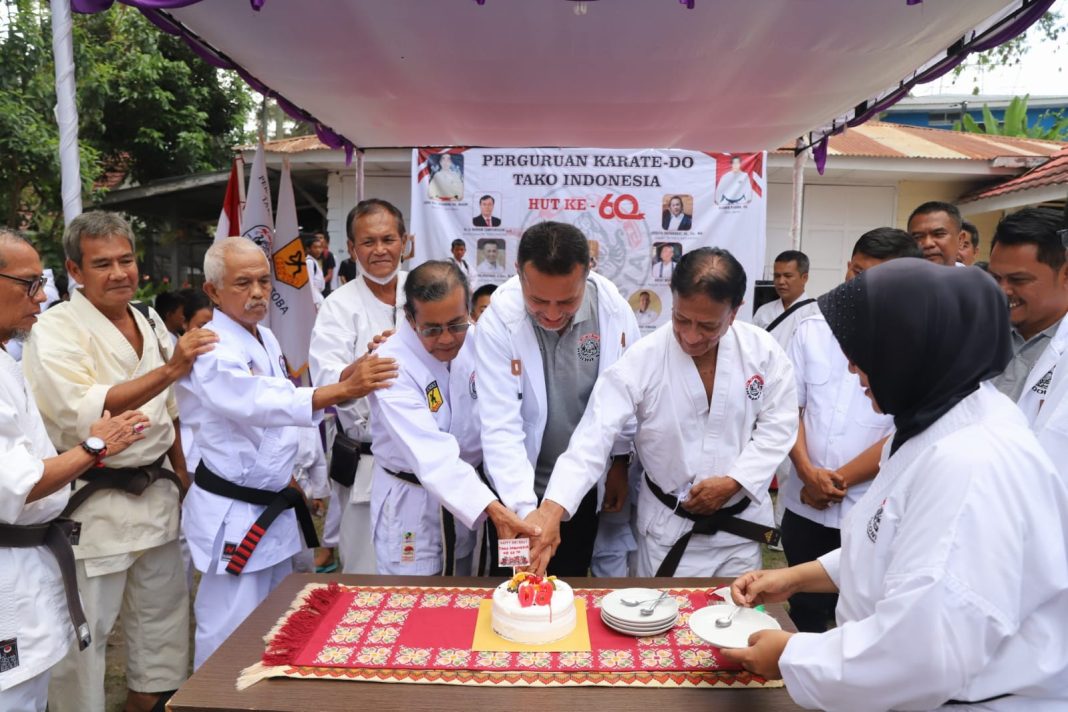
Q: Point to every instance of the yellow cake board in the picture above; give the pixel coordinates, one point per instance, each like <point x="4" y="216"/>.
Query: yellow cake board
<point x="485" y="639"/>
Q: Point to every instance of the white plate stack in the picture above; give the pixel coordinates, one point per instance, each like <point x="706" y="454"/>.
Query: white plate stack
<point x="627" y="619"/>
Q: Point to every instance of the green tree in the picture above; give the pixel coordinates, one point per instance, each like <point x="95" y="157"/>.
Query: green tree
<point x="148" y="108"/>
<point x="1015" y="123"/>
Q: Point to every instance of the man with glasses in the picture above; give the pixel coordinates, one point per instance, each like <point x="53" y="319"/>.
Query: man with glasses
<point x="426" y="497"/>
<point x="40" y="613"/>
<point x="717" y="412"/>
<point x="96" y="354"/>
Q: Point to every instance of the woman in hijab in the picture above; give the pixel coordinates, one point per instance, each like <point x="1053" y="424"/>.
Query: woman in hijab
<point x="953" y="571"/>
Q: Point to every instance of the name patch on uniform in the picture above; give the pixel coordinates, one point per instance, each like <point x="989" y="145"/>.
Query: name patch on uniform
<point x="9" y="654"/>
<point x="433" y="397"/>
<point x="754" y="387"/>
<point x="472" y="390"/>
<point x="589" y="347"/>
<point x="873" y="523"/>
<point x="408" y="548"/>
<point x="229" y="547"/>
<point x="1043" y="383"/>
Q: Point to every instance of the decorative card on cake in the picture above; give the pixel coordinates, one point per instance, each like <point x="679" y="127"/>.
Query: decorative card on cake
<point x="513" y="552"/>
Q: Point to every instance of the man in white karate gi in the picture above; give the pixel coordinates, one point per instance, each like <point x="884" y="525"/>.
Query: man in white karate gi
<point x="1029" y="260"/>
<point x="241" y="515"/>
<point x="41" y="615"/>
<point x="426" y="437"/>
<point x="717" y="412"/>
<point x="99" y="352"/>
<point x="548" y="335"/>
<point x="347" y="322"/>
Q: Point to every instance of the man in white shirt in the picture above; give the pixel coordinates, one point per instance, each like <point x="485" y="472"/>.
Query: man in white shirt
<point x="790" y="276"/>
<point x="427" y="497"/>
<point x="645" y="315"/>
<point x="716" y="412"/>
<point x="1028" y="260"/>
<point x="664" y="266"/>
<point x="347" y="322"/>
<point x="40" y="612"/>
<point x="938" y="229"/>
<point x="241" y="514"/>
<point x="313" y="246"/>
<point x="840" y="438"/>
<point x="459" y="250"/>
<point x="491" y="265"/>
<point x="548" y="334"/>
<point x="90" y="355"/>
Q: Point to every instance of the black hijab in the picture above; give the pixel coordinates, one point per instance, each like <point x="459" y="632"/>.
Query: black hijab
<point x="925" y="334"/>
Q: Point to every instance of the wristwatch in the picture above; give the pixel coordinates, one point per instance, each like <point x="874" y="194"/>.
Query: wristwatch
<point x="95" y="447"/>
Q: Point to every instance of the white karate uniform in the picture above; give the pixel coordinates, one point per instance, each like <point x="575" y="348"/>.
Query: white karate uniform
<point x="309" y="471"/>
<point x="840" y="422"/>
<point x="681" y="440"/>
<point x="646" y="318"/>
<point x="315" y="276"/>
<point x="663" y="270"/>
<point x="33" y="604"/>
<point x="512" y="407"/>
<point x="1044" y="400"/>
<point x="421" y="425"/>
<point x="447" y="184"/>
<point x="465" y="267"/>
<point x="248" y="427"/>
<point x="952" y="576"/>
<point x="733" y="188"/>
<point x="490" y="269"/>
<point x="347" y="321"/>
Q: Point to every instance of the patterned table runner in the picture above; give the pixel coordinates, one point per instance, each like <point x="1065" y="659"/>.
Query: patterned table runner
<point x="425" y="635"/>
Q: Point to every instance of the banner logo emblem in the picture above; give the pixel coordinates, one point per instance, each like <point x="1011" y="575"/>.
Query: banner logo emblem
<point x="289" y="265"/>
<point x="433" y="397"/>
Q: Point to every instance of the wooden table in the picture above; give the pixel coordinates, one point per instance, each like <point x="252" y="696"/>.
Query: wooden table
<point x="212" y="687"/>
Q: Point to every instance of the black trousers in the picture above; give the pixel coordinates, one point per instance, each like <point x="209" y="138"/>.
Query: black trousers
<point x="804" y="540"/>
<point x="577" y="536"/>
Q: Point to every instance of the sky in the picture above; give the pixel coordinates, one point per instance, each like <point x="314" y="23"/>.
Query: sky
<point x="1042" y="71"/>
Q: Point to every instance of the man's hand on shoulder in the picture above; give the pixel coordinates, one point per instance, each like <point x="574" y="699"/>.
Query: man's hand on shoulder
<point x="192" y="344"/>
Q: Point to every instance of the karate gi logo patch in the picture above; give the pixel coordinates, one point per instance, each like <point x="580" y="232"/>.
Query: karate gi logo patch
<point x="289" y="264"/>
<point x="873" y="523"/>
<point x="472" y="390"/>
<point x="754" y="387"/>
<point x="9" y="654"/>
<point x="589" y="347"/>
<point x="1043" y="383"/>
<point x="433" y="397"/>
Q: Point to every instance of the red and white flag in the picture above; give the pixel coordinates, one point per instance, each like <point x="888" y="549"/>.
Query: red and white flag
<point x="230" y="217"/>
<point x="292" y="304"/>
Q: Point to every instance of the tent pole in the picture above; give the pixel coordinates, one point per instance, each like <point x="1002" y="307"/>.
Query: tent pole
<point x="359" y="176"/>
<point x="66" y="110"/>
<point x="800" y="158"/>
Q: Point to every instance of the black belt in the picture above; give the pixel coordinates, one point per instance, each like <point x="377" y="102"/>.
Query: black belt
<point x="275" y="503"/>
<point x="57" y="535"/>
<point x="131" y="480"/>
<point x="448" y="525"/>
<point x="721" y="520"/>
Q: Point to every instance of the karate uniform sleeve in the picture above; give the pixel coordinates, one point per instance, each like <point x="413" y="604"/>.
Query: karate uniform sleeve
<point x="774" y="433"/>
<point x="504" y="450"/>
<point x="166" y="343"/>
<point x="943" y="614"/>
<point x="612" y="406"/>
<point x="223" y="384"/>
<point x="625" y="440"/>
<point x="22" y="469"/>
<point x="332" y="349"/>
<point x="831" y="563"/>
<point x="63" y="379"/>
<point x="433" y="455"/>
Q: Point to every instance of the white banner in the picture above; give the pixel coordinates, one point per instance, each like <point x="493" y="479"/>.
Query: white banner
<point x="257" y="222"/>
<point x="641" y="210"/>
<point x="292" y="303"/>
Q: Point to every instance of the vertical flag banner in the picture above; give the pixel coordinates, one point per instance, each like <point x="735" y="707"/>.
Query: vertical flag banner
<point x="230" y="216"/>
<point x="292" y="304"/>
<point x="640" y="209"/>
<point x="257" y="222"/>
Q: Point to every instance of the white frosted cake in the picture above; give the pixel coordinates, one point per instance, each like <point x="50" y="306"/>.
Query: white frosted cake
<point x="533" y="610"/>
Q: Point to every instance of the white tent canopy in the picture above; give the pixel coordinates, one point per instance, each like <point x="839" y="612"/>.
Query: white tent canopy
<point x="735" y="75"/>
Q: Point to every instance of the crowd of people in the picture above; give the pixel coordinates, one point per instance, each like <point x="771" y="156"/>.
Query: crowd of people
<point x="915" y="419"/>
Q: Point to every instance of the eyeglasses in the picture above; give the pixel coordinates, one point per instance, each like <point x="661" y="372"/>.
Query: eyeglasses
<point x="432" y="332"/>
<point x="33" y="286"/>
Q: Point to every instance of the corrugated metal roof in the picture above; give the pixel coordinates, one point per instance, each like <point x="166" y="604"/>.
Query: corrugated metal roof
<point x="1052" y="172"/>
<point x="874" y="139"/>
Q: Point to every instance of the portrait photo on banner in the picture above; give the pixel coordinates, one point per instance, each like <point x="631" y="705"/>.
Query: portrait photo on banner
<point x="446" y="177"/>
<point x="488" y="214"/>
<point x="664" y="258"/>
<point x="677" y="212"/>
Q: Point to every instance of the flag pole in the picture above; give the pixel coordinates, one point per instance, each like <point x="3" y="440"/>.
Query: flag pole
<point x="66" y="110"/>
